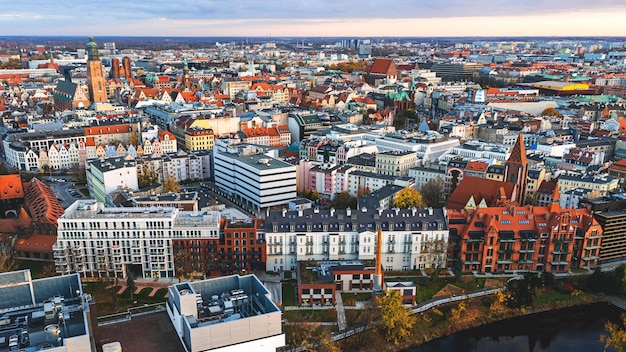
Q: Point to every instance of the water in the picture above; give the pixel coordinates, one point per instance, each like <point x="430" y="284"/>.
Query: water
<point x="576" y="329"/>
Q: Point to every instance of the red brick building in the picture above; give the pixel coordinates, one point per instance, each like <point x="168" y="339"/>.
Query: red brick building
<point x="507" y="239"/>
<point x="240" y="248"/>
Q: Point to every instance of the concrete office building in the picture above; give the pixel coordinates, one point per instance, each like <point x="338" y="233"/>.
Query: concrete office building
<point x="231" y="313"/>
<point x="50" y="314"/>
<point x="253" y="178"/>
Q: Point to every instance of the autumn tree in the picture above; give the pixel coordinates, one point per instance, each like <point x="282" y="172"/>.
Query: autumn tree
<point x="409" y="197"/>
<point x="134" y="138"/>
<point x="171" y="185"/>
<point x="550" y="112"/>
<point x="396" y="320"/>
<point x="362" y="191"/>
<point x="7" y="263"/>
<point x="432" y="193"/>
<point x="616" y="337"/>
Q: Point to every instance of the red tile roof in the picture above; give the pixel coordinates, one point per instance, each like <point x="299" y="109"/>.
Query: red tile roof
<point x="109" y="129"/>
<point x="11" y="187"/>
<point x="42" y="204"/>
<point x="41" y="243"/>
<point x="481" y="188"/>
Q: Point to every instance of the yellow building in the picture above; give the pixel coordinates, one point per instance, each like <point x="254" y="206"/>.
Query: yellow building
<point x="199" y="139"/>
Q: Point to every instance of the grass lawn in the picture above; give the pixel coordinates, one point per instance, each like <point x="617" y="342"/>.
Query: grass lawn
<point x="311" y="315"/>
<point x="36" y="267"/>
<point x="289" y="293"/>
<point x="350" y="299"/>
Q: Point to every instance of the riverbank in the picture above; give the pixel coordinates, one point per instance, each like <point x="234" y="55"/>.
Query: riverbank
<point x="455" y="318"/>
<point x="573" y="329"/>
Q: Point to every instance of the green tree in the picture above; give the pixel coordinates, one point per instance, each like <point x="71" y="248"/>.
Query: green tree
<point x="408" y="198"/>
<point x="616" y="337"/>
<point x="3" y="169"/>
<point x="396" y="321"/>
<point x="432" y="193"/>
<point x="147" y="176"/>
<point x="343" y="200"/>
<point x="130" y="282"/>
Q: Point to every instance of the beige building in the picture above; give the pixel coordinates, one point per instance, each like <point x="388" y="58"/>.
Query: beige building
<point x="396" y="163"/>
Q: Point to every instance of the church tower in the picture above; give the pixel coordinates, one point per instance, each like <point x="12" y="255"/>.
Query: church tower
<point x="95" y="76"/>
<point x="516" y="169"/>
<point x="186" y="83"/>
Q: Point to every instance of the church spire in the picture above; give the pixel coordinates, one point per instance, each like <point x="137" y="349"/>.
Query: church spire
<point x="518" y="153"/>
<point x="555" y="204"/>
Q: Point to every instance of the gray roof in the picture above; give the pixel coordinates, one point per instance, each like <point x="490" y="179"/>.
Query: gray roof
<point x="359" y="220"/>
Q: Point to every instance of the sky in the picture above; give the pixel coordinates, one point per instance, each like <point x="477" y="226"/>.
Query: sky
<point x="314" y="18"/>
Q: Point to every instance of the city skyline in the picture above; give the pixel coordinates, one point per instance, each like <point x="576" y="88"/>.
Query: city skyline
<point x="405" y="18"/>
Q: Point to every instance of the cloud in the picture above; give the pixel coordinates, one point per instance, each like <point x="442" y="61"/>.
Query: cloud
<point x="304" y="9"/>
<point x="307" y="17"/>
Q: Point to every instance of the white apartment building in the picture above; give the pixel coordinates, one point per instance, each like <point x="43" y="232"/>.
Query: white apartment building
<point x="107" y="175"/>
<point x="97" y="241"/>
<point x="412" y="238"/>
<point x="254" y="179"/>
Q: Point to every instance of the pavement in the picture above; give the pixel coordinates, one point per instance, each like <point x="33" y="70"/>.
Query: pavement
<point x="272" y="283"/>
<point x="341" y="312"/>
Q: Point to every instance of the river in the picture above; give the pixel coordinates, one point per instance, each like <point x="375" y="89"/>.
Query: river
<point x="575" y="329"/>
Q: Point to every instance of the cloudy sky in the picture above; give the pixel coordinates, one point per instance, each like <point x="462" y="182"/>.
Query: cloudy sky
<point x="314" y="17"/>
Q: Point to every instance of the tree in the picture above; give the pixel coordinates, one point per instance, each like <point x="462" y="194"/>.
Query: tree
<point x="130" y="282"/>
<point x="550" y="112"/>
<point x="617" y="335"/>
<point x="343" y="200"/>
<point x="408" y="198"/>
<point x="148" y="176"/>
<point x="7" y="263"/>
<point x="3" y="169"/>
<point x="171" y="185"/>
<point x="396" y="321"/>
<point x="432" y="193"/>
<point x="81" y="176"/>
<point x="362" y="191"/>
<point x="134" y="138"/>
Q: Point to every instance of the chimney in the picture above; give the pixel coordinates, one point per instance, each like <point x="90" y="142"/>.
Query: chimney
<point x="430" y="211"/>
<point x="332" y="212"/>
<point x="413" y="211"/>
<point x="284" y="211"/>
<point x="348" y="211"/>
<point x="378" y="276"/>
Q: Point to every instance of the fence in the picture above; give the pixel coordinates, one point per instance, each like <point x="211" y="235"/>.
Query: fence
<point x="130" y="313"/>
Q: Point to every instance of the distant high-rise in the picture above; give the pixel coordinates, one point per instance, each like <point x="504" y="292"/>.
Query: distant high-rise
<point x="95" y="76"/>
